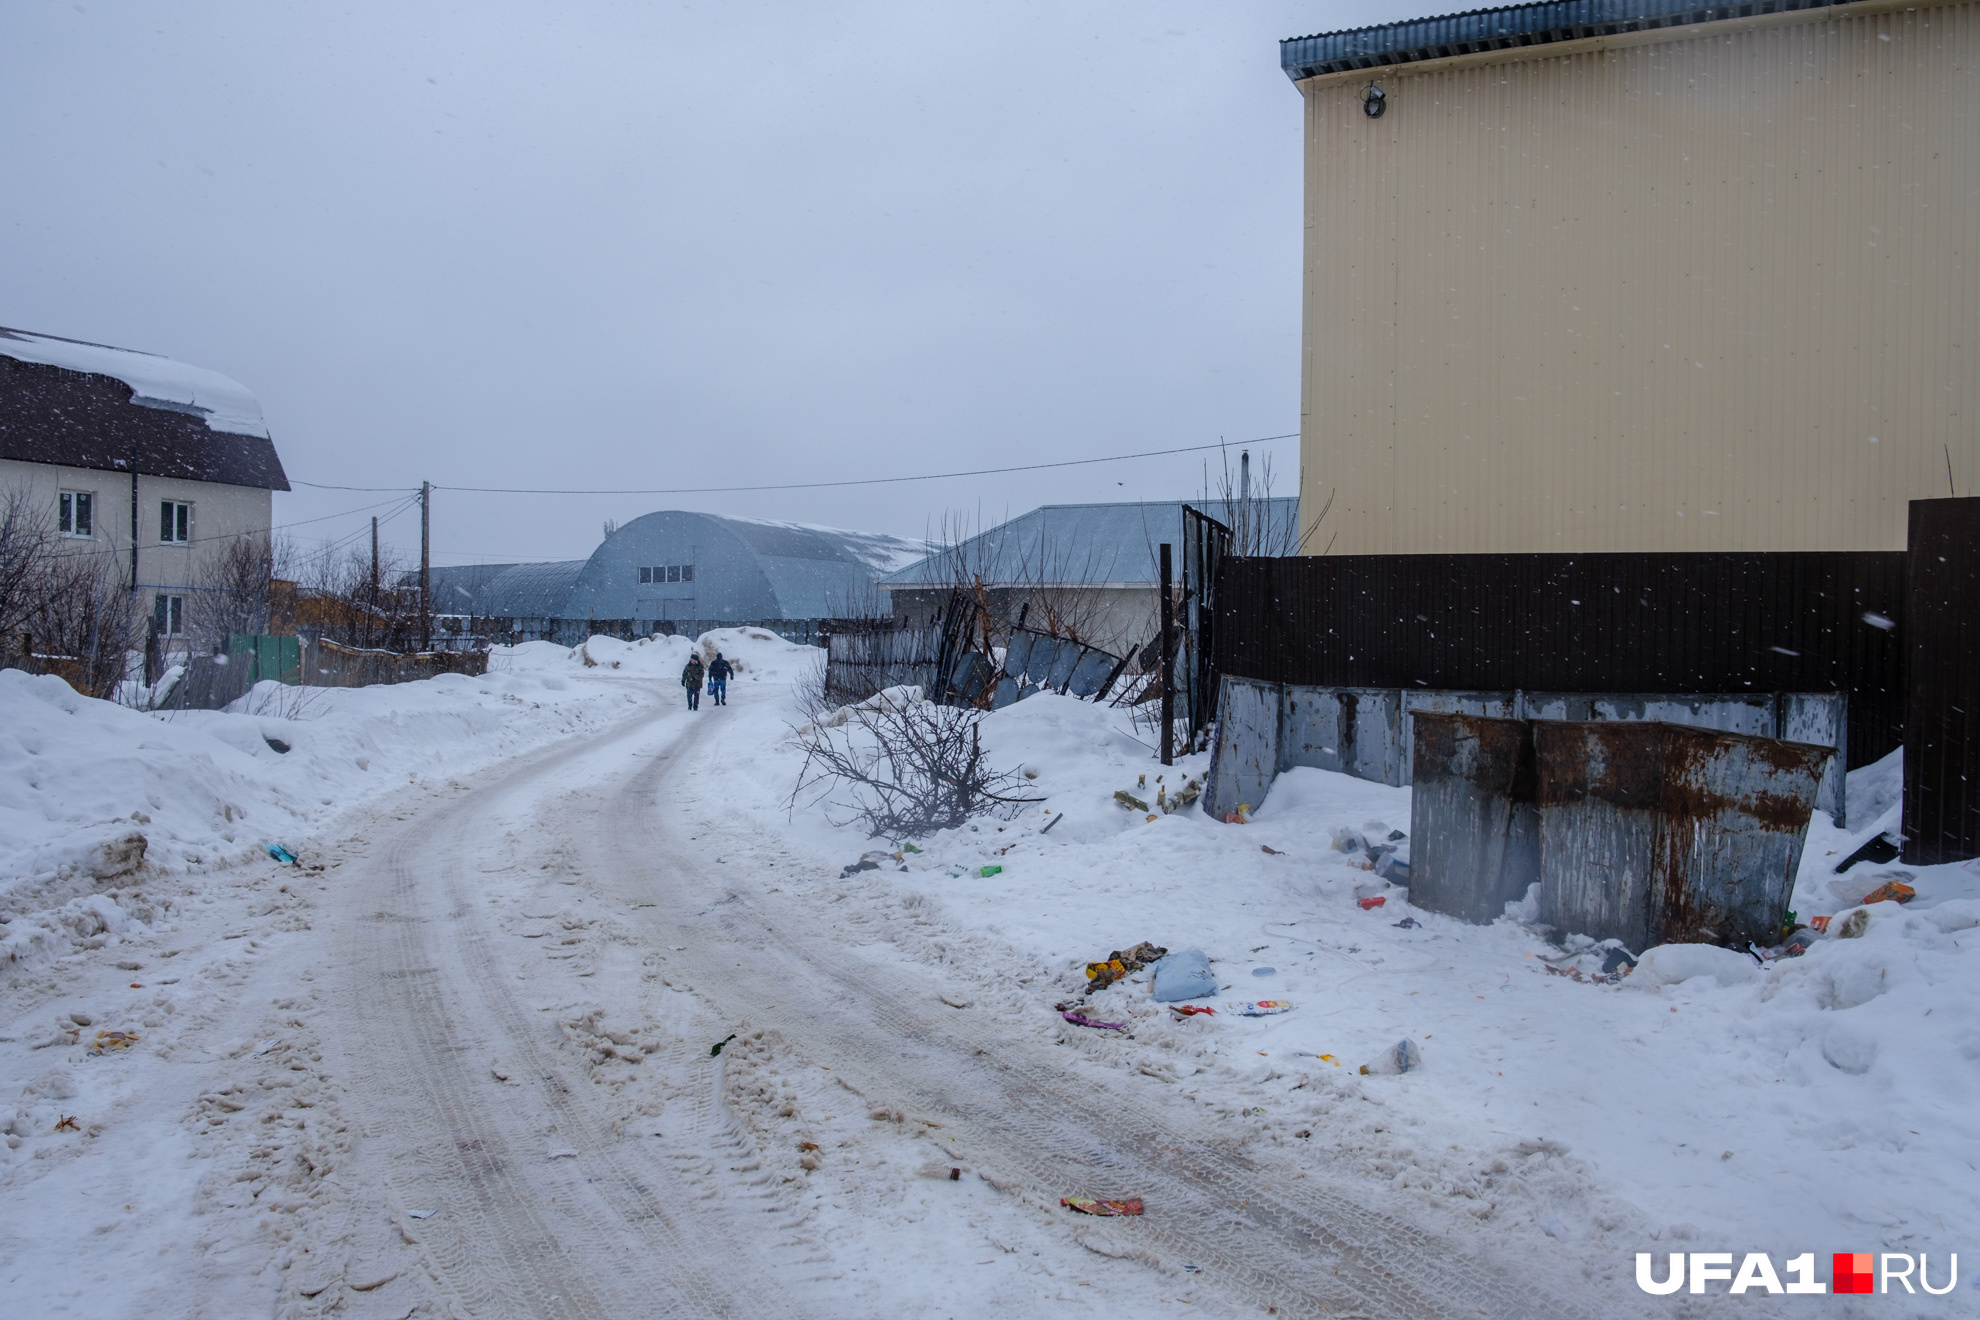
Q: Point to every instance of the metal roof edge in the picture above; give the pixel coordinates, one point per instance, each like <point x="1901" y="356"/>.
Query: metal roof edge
<point x="1481" y="31"/>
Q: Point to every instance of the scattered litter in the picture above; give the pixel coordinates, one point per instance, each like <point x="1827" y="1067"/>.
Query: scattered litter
<point x="1304" y="1132"/>
<point x="113" y="1040"/>
<point x="1820" y="923"/>
<point x="281" y="854"/>
<point x="1122" y="962"/>
<point x="953" y="1001"/>
<point x="1191" y="1010"/>
<point x="1400" y="1057"/>
<point x="1183" y="797"/>
<point x="1088" y="1205"/>
<point x="1853" y="925"/>
<point x="1891" y="891"/>
<point x="909" y="848"/>
<point x="563" y="1154"/>
<point x="1884" y="848"/>
<point x="1266" y="847"/>
<point x="263" y="1047"/>
<point x="1265" y="1007"/>
<point x="716" y="1048"/>
<point x="1407" y="923"/>
<point x="1129" y="800"/>
<point x="1184" y="975"/>
<point x="1368" y="904"/>
<point x="1264" y="971"/>
<point x="1079" y="1019"/>
<point x="989" y="871"/>
<point x="1242" y="816"/>
<point x="807" y="1145"/>
<point x="868" y="861"/>
<point x="1619" y="962"/>
<point x="1050" y="823"/>
<point x="421" y="1214"/>
<point x="1192" y="1269"/>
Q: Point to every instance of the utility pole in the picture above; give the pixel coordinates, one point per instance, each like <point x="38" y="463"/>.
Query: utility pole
<point x="1168" y="661"/>
<point x="371" y="621"/>
<point x="425" y="565"/>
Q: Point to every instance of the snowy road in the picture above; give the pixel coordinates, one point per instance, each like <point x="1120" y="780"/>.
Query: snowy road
<point x="527" y="980"/>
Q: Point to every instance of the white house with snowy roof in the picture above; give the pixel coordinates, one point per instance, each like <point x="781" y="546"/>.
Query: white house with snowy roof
<point x="158" y="465"/>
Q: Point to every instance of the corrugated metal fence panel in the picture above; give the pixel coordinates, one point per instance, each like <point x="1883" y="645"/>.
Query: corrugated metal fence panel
<point x="1942" y="628"/>
<point x="1474" y="829"/>
<point x="1656" y="834"/>
<point x="1245" y="758"/>
<point x="1677" y="623"/>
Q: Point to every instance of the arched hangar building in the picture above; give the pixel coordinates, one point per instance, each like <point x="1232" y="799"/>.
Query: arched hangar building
<point x="680" y="572"/>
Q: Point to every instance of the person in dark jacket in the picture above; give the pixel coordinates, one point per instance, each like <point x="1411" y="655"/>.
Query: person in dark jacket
<point x="691" y="680"/>
<point x="718" y="680"/>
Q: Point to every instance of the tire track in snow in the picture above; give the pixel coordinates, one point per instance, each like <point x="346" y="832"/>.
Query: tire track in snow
<point x="1304" y="1249"/>
<point x="427" y="994"/>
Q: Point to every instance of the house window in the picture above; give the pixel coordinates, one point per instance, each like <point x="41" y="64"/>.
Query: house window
<point x="687" y="572"/>
<point x="645" y="576"/>
<point x="673" y="572"/>
<point x="76" y="513"/>
<point x="667" y="573"/>
<point x="175" y="523"/>
<point x="168" y="614"/>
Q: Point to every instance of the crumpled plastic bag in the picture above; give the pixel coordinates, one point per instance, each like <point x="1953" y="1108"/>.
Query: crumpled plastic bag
<point x="1401" y="1057"/>
<point x="1184" y="975"/>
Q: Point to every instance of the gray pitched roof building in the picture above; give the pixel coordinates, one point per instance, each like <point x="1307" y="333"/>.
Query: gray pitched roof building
<point x="681" y="571"/>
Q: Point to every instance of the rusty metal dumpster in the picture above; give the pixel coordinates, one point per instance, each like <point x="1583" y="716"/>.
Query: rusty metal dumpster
<point x="1657" y="834"/>
<point x="1473" y="825"/>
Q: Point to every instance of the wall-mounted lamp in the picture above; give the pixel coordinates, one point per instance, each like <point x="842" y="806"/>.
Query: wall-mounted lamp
<point x="1374" y="101"/>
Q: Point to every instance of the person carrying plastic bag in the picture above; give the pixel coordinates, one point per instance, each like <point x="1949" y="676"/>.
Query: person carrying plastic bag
<point x="718" y="680"/>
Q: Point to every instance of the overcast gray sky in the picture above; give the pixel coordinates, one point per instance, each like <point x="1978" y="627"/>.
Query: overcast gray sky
<point x="631" y="245"/>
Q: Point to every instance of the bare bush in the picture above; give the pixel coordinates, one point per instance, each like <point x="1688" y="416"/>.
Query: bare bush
<point x="65" y="609"/>
<point x="231" y="594"/>
<point x="341" y="596"/>
<point x="903" y="767"/>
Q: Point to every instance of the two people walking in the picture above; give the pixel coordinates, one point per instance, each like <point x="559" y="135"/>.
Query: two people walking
<point x="716" y="675"/>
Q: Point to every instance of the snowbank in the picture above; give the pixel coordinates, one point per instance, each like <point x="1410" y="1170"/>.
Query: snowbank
<point x="95" y="796"/>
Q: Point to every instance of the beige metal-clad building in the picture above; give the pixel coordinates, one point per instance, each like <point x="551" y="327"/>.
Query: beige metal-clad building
<point x="1622" y="275"/>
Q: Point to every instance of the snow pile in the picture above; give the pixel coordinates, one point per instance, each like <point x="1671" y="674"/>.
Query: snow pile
<point x="156" y="382"/>
<point x="96" y="796"/>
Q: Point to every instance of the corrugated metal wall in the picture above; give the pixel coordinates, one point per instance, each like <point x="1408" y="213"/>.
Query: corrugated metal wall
<point x="1942" y="733"/>
<point x="1716" y="292"/>
<point x="1686" y="623"/>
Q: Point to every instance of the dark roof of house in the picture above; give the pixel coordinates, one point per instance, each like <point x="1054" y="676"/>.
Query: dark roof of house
<point x="1504" y="29"/>
<point x="81" y="419"/>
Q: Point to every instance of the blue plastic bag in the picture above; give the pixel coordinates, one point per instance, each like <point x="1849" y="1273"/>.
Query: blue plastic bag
<point x="1184" y="975"/>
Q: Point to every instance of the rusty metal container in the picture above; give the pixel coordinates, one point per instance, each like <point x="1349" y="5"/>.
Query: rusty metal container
<point x="1656" y="833"/>
<point x="1474" y="829"/>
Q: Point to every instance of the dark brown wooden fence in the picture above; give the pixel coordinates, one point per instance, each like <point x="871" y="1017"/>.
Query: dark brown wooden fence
<point x="1626" y="623"/>
<point x="1942" y="641"/>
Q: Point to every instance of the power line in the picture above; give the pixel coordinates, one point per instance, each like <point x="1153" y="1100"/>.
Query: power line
<point x="828" y="485"/>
